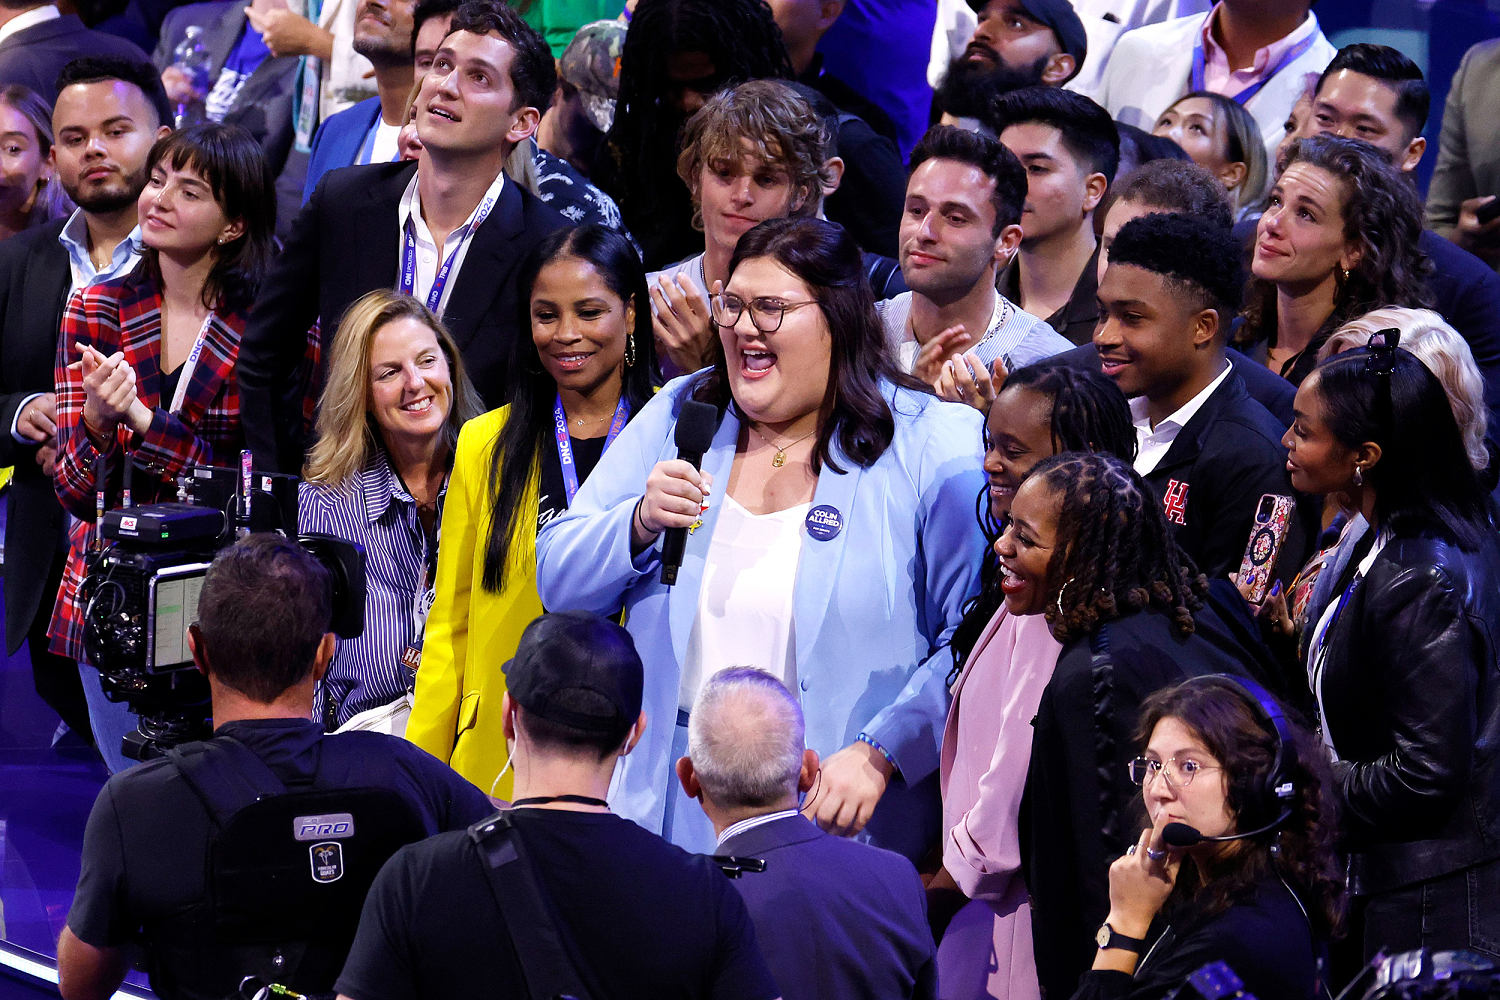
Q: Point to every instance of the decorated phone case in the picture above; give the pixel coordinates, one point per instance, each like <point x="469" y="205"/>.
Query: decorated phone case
<point x="1273" y="516"/>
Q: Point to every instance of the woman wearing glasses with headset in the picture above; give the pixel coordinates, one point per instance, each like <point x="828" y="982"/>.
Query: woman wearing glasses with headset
<point x="831" y="540"/>
<point x="1401" y="649"/>
<point x="1236" y="864"/>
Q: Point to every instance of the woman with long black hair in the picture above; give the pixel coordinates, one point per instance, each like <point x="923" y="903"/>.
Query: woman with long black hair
<point x="586" y="370"/>
<point x="1401" y="652"/>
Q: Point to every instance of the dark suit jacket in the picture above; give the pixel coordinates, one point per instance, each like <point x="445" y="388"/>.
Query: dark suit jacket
<point x="344" y="244"/>
<point x="1211" y="480"/>
<point x="34" y="56"/>
<point x="835" y="917"/>
<point x="1467" y="294"/>
<point x="34" y="279"/>
<point x="1264" y="386"/>
<point x="263" y="105"/>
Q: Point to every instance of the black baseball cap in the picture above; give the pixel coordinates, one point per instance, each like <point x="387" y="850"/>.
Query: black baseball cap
<point x="1064" y="21"/>
<point x="577" y="669"/>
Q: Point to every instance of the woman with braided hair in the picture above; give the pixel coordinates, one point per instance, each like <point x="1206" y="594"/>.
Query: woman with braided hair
<point x="1087" y="548"/>
<point x="1001" y="663"/>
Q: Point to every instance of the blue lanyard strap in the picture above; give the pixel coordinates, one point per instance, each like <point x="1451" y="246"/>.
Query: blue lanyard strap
<point x="440" y="281"/>
<point x="1196" y="82"/>
<point x="565" y="441"/>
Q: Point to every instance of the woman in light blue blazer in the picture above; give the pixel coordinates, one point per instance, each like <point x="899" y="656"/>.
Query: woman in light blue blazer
<point x="832" y="541"/>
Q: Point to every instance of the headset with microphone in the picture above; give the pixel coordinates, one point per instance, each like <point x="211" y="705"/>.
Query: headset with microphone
<point x="1268" y="801"/>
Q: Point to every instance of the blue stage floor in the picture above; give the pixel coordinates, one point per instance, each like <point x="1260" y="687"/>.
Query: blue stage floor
<point x="46" y="792"/>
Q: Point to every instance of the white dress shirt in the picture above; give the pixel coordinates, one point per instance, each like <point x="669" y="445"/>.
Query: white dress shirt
<point x="1152" y="443"/>
<point x="429" y="260"/>
<point x="30" y="18"/>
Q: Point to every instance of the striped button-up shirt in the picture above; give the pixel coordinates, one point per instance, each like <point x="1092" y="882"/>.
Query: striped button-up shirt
<point x="374" y="510"/>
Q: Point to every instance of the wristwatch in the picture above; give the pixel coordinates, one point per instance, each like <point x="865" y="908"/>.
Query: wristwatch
<point x="1108" y="937"/>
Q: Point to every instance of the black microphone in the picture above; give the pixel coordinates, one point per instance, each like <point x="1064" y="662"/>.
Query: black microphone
<point x="695" y="432"/>
<point x="1180" y="835"/>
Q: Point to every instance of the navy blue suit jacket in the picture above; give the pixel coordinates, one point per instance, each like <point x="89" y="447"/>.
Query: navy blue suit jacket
<point x="337" y="141"/>
<point x="835" y="917"/>
<point x="34" y="56"/>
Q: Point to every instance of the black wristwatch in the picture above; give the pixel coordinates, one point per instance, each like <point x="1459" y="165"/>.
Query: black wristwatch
<point x="1108" y="937"/>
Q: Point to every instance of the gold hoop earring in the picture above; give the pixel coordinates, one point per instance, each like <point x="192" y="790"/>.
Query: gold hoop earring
<point x="629" y="350"/>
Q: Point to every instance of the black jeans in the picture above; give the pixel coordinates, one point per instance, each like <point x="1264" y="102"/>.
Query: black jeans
<point x="1457" y="910"/>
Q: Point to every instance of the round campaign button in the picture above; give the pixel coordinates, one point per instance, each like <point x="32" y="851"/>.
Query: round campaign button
<point x="824" y="522"/>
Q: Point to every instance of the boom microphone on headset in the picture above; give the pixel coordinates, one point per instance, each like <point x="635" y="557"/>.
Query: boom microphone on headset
<point x="1181" y="835"/>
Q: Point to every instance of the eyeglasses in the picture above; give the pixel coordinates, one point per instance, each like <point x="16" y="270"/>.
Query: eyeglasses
<point x="765" y="312"/>
<point x="1180" y="773"/>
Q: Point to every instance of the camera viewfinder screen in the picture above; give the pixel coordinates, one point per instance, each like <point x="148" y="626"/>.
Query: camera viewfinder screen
<point x="176" y="607"/>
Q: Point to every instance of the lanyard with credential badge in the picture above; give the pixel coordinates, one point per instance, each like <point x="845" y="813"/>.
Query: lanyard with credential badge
<point x="180" y="394"/>
<point x="440" y="280"/>
<point x="427" y="587"/>
<point x="1199" y="68"/>
<point x="565" y="442"/>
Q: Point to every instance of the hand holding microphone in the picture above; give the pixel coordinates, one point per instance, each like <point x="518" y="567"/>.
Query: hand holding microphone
<point x="676" y="494"/>
<point x="676" y="491"/>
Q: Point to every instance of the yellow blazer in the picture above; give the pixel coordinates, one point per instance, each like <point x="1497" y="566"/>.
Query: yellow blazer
<point x="470" y="631"/>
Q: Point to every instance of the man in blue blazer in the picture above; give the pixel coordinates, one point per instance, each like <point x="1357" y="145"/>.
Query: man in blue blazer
<point x="834" y="917"/>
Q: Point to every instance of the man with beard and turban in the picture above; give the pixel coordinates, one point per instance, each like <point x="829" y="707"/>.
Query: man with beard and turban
<point x="1018" y="43"/>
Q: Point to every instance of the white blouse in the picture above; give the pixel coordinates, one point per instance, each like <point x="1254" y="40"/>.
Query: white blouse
<point x="744" y="614"/>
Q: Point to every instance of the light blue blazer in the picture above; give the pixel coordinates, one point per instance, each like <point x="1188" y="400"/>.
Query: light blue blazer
<point x="874" y="606"/>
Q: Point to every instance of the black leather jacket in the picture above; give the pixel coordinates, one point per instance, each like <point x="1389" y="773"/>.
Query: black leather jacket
<point x="1411" y="702"/>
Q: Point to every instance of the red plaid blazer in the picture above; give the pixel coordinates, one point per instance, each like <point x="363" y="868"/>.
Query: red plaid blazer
<point x="125" y="315"/>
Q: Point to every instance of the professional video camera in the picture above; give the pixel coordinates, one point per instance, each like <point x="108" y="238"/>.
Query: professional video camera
<point x="146" y="569"/>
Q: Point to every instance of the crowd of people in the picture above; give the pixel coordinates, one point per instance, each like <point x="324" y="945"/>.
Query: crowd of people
<point x="1037" y="556"/>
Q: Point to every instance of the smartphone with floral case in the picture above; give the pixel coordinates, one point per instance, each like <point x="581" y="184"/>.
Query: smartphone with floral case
<point x="1273" y="516"/>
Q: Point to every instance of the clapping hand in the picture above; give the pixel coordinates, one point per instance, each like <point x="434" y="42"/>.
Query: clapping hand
<point x="681" y="322"/>
<point x="939" y="349"/>
<point x="965" y="379"/>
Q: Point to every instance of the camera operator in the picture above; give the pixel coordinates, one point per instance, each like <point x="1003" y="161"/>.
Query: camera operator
<point x="262" y="639"/>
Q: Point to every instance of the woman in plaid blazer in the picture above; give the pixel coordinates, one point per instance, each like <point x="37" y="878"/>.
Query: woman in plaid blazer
<point x="145" y="363"/>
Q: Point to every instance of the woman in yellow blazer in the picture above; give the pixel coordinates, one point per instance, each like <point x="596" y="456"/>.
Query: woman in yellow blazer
<point x="588" y="366"/>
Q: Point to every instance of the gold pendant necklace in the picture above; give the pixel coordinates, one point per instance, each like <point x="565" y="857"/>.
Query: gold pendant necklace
<point x="780" y="457"/>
